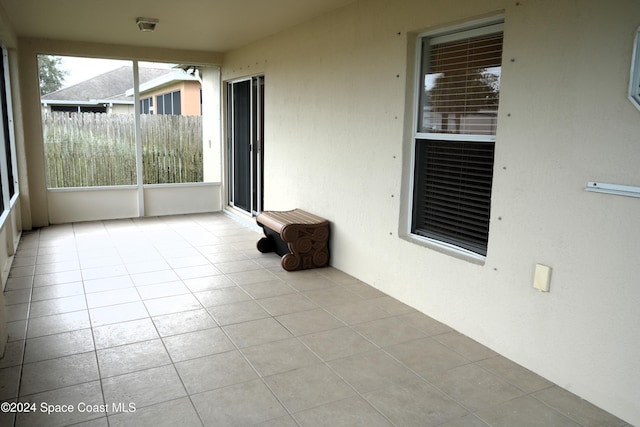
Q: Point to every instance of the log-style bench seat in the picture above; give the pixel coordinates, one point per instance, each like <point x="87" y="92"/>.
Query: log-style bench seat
<point x="301" y="238"/>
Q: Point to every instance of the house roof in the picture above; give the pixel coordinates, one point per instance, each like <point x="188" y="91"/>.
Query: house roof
<point x="109" y="86"/>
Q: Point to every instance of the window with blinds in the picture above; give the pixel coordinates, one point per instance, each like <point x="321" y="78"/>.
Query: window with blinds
<point x="459" y="88"/>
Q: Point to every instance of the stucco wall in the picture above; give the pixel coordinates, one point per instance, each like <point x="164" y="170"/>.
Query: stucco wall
<point x="338" y="108"/>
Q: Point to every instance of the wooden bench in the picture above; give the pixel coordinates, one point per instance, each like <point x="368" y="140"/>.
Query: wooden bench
<point x="300" y="238"/>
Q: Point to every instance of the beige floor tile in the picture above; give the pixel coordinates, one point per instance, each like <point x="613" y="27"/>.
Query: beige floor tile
<point x="337" y="343"/>
<point x="474" y="387"/>
<point x="172" y="413"/>
<point x="424" y="323"/>
<point x="57" y="267"/>
<point x="576" y="408"/>
<point x="268" y="289"/>
<point x="108" y="284"/>
<point x="308" y="387"/>
<point x="145" y="265"/>
<point x="104" y="272"/>
<point x="515" y="374"/>
<point x="58" y="323"/>
<point x="248" y="277"/>
<point x="388" y="331"/>
<point x="393" y="306"/>
<point x="238" y="312"/>
<point x="154" y="277"/>
<point x="162" y="290"/>
<point x="351" y="412"/>
<point x="186" y="321"/>
<point x="465" y="421"/>
<point x="132" y="357"/>
<point x="465" y="346"/>
<point x="57" y="291"/>
<point x="195" y="272"/>
<point x="417" y="404"/>
<point x="285" y="421"/>
<point x="200" y="284"/>
<point x="57" y="278"/>
<point x="118" y="313"/>
<point x="279" y="356"/>
<point x="130" y="332"/>
<point x="357" y="312"/>
<point x="525" y="412"/>
<point x="9" y="382"/>
<point x="222" y="296"/>
<point x="57" y="373"/>
<point x="197" y="344"/>
<point x="426" y="356"/>
<point x="17" y="330"/>
<point x="13" y="353"/>
<point x="285" y="304"/>
<point x="307" y="322"/>
<point x="16" y="312"/>
<point x="57" y="306"/>
<point x="371" y="371"/>
<point x="18" y="296"/>
<point x="114" y="297"/>
<point x="332" y="296"/>
<point x="240" y="405"/>
<point x="89" y="394"/>
<point x="143" y="388"/>
<point x="174" y="304"/>
<point x="215" y="371"/>
<point x="256" y="332"/>
<point x="53" y="346"/>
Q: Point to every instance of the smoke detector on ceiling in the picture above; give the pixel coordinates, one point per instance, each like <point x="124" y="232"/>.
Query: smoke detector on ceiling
<point x="147" y="25"/>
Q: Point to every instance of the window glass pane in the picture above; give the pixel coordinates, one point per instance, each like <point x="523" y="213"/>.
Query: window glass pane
<point x="461" y="85"/>
<point x="176" y="103"/>
<point x="160" y="107"/>
<point x="171" y="142"/>
<point x="87" y="141"/>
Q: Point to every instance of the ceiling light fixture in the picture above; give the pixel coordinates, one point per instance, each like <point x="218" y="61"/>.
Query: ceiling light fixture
<point x="147" y="25"/>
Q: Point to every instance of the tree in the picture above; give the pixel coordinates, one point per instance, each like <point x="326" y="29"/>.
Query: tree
<point x="50" y="74"/>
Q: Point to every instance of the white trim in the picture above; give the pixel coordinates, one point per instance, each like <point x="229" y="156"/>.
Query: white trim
<point x="164" y="80"/>
<point x="616" y="189"/>
<point x="465" y="28"/>
<point x="138" y="135"/>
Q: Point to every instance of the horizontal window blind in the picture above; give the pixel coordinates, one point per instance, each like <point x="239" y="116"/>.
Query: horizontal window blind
<point x="461" y="85"/>
<point x="452" y="194"/>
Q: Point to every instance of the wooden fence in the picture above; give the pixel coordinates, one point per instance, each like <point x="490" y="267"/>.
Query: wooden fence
<point x="94" y="149"/>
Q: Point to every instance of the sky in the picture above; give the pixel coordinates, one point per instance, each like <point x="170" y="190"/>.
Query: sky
<point x="81" y="69"/>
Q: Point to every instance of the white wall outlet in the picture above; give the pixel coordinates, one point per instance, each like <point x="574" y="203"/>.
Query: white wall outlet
<point x="542" y="278"/>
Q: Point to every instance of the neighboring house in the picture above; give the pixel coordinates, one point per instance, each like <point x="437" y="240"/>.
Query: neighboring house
<point x="176" y="93"/>
<point x="112" y="91"/>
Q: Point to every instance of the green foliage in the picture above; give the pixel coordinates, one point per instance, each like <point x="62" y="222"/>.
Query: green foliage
<point x="50" y="75"/>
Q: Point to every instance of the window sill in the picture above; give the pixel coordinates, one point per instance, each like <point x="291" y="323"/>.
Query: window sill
<point x="445" y="248"/>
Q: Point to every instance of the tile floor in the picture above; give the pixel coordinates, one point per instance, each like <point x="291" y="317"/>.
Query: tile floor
<point x="183" y="320"/>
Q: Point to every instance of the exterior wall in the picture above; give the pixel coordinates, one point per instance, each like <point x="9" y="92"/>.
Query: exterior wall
<point x="339" y="92"/>
<point x="189" y="96"/>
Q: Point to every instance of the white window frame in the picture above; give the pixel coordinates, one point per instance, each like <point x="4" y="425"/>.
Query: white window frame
<point x="8" y="200"/>
<point x="470" y="29"/>
<point x="634" y="79"/>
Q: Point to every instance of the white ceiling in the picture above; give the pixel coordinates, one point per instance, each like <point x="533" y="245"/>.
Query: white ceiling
<point x="208" y="25"/>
